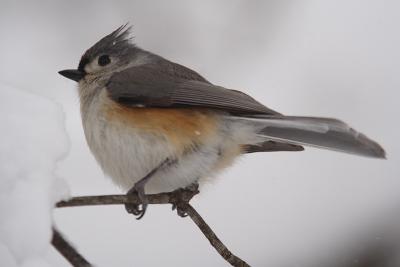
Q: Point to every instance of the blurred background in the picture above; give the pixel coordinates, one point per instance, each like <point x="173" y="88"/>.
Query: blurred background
<point x="322" y="58"/>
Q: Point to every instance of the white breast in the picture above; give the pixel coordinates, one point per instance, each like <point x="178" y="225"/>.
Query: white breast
<point x="127" y="154"/>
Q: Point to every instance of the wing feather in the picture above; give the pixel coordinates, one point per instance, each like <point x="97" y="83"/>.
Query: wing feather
<point x="153" y="85"/>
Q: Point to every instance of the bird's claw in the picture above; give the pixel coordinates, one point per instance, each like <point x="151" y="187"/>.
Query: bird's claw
<point x="181" y="212"/>
<point x="184" y="196"/>
<point x="137" y="209"/>
<point x="179" y="209"/>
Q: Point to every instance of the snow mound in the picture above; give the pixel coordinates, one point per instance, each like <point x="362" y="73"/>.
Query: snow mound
<point x="33" y="139"/>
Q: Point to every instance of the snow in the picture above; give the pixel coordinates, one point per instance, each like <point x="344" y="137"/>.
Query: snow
<point x="33" y="141"/>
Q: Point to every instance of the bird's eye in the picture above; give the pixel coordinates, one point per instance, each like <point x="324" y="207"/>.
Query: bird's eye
<point x="104" y="60"/>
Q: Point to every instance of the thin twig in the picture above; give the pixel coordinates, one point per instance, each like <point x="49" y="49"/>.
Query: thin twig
<point x="213" y="238"/>
<point x="162" y="198"/>
<point x="179" y="198"/>
<point x="68" y="251"/>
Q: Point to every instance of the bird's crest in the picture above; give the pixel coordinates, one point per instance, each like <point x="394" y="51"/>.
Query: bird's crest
<point x="116" y="43"/>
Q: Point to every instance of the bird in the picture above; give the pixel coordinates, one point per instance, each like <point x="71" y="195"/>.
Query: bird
<point x="156" y="126"/>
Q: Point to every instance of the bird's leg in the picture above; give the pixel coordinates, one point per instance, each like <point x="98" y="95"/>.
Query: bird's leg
<point x="184" y="195"/>
<point x="138" y="188"/>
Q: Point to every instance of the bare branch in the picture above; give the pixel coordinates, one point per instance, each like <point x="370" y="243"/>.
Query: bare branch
<point x="179" y="198"/>
<point x="162" y="198"/>
<point x="68" y="251"/>
<point x="213" y="238"/>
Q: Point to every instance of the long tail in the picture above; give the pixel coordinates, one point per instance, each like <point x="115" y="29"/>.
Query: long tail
<point x="317" y="132"/>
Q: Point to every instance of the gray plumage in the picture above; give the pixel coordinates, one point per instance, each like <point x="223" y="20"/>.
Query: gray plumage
<point x="316" y="132"/>
<point x="151" y="85"/>
<point x="165" y="84"/>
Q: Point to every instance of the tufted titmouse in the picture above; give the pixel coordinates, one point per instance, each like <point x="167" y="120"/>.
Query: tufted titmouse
<point x="151" y="122"/>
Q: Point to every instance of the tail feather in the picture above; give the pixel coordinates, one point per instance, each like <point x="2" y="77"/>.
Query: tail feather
<point x="271" y="146"/>
<point x="317" y="132"/>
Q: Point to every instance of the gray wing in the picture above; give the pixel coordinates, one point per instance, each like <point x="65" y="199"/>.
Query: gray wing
<point x="317" y="132"/>
<point x="174" y="86"/>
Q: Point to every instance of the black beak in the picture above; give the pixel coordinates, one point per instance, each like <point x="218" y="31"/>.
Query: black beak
<point x="75" y="75"/>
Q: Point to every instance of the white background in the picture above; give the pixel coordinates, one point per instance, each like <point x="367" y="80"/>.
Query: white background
<point x="321" y="58"/>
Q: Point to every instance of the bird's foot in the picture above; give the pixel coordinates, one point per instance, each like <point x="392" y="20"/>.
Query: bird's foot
<point x="183" y="196"/>
<point x="137" y="209"/>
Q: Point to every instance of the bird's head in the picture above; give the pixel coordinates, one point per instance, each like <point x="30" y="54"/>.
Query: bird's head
<point x="108" y="55"/>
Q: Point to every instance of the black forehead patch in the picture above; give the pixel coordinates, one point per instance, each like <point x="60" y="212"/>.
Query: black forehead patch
<point x="117" y="42"/>
<point x="82" y="63"/>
